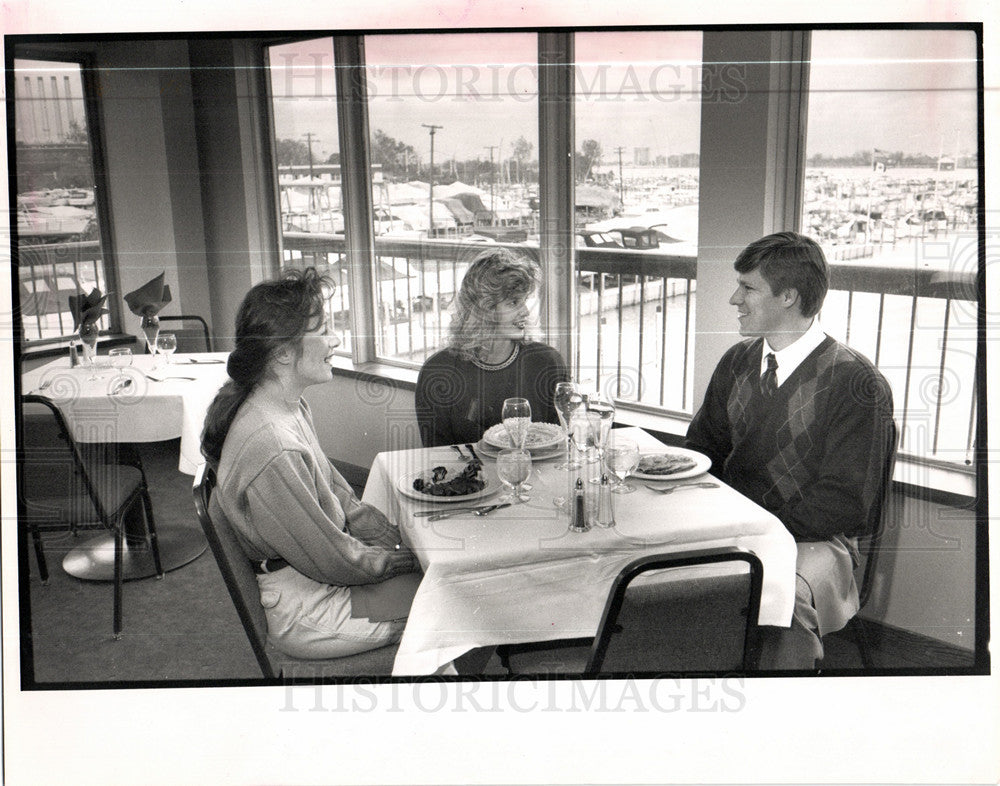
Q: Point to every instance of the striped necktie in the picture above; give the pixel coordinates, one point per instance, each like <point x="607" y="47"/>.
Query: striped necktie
<point x="769" y="379"/>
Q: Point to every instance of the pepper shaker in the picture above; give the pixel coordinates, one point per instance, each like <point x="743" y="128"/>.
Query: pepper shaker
<point x="578" y="516"/>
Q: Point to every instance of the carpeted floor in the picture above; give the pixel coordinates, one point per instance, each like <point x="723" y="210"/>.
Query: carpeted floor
<point x="182" y="627"/>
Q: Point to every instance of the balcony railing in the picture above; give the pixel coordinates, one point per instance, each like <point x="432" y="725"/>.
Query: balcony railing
<point x="635" y="317"/>
<point x="47" y="275"/>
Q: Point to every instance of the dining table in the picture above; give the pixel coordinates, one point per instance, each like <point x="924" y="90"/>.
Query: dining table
<point x="521" y="574"/>
<point x="153" y="399"/>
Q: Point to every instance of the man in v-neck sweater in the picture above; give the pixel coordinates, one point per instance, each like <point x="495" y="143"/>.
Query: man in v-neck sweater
<point x="802" y="425"/>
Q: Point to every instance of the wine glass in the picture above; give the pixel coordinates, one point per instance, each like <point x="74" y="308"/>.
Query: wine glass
<point x="88" y="336"/>
<point x="516" y="416"/>
<point x="166" y="344"/>
<point x="567" y="400"/>
<point x="585" y="431"/>
<point x="121" y="358"/>
<point x="621" y="457"/>
<point x="150" y="327"/>
<point x="513" y="469"/>
<point x="600" y="405"/>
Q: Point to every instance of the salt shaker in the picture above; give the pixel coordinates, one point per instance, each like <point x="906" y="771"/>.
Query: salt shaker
<point x="605" y="512"/>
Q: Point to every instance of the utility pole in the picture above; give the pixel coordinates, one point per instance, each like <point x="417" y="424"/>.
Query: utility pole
<point x="493" y="208"/>
<point x="309" y="141"/>
<point x="432" y="129"/>
<point x="314" y="205"/>
<point x="621" y="183"/>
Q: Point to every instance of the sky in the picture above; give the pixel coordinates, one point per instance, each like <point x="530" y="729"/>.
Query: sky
<point x="907" y="90"/>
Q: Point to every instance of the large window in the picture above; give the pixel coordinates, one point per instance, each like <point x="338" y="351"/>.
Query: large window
<point x="638" y="115"/>
<point x="309" y="182"/>
<point x="58" y="227"/>
<point x="891" y="194"/>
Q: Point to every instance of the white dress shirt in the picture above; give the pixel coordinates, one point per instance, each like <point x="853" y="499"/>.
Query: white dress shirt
<point x="792" y="356"/>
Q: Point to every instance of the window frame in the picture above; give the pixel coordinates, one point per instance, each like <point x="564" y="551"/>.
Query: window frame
<point x="93" y="114"/>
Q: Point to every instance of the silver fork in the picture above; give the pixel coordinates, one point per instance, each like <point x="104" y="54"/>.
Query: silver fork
<point x="703" y="484"/>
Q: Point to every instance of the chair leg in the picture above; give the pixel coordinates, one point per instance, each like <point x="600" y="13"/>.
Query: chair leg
<point x="119" y="548"/>
<point x="147" y="512"/>
<point x="43" y="569"/>
<point x="858" y="632"/>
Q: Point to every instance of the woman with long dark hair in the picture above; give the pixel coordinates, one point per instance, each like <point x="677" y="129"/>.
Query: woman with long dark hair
<point x="461" y="389"/>
<point x="319" y="552"/>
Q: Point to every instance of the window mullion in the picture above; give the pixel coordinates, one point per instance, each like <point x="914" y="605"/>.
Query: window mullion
<point x="557" y="252"/>
<point x="352" y="122"/>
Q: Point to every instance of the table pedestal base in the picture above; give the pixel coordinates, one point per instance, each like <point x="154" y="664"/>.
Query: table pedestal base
<point x="94" y="560"/>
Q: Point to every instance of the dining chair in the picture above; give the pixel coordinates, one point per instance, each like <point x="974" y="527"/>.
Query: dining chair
<point x="662" y="618"/>
<point x="64" y="488"/>
<point x="869" y="546"/>
<point x="192" y="334"/>
<point x="242" y="585"/>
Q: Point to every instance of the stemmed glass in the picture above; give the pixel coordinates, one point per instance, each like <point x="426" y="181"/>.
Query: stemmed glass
<point x="150" y="327"/>
<point x="121" y="358"/>
<point x="567" y="400"/>
<point x="516" y="415"/>
<point x="513" y="469"/>
<point x="166" y="344"/>
<point x="585" y="430"/>
<point x="88" y="335"/>
<point x="621" y="457"/>
<point x="600" y="405"/>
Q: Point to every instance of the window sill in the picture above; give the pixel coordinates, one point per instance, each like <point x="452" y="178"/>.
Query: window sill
<point x="943" y="485"/>
<point x="60" y="348"/>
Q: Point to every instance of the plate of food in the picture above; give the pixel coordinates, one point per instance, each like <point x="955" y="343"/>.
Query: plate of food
<point x="453" y="481"/>
<point x="671" y="464"/>
<point x="541" y="436"/>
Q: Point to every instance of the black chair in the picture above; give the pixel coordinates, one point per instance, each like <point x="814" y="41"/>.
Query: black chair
<point x="192" y="332"/>
<point x="243" y="589"/>
<point x="66" y="488"/>
<point x="869" y="547"/>
<point x="662" y="624"/>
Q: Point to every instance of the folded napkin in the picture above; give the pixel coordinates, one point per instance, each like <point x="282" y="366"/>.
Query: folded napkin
<point x="147" y="300"/>
<point x="87" y="309"/>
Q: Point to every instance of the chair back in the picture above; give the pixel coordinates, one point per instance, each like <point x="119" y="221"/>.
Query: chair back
<point x="868" y="545"/>
<point x="191" y="331"/>
<point x="234" y="566"/>
<point x="52" y="467"/>
<point x="674" y="623"/>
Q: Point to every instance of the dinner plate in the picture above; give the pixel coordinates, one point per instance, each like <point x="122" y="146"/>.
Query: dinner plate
<point x="536" y="454"/>
<point x="540" y="436"/>
<point x="405" y="484"/>
<point x="702" y="464"/>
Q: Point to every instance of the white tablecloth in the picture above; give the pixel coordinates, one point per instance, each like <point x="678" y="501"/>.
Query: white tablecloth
<point x="520" y="575"/>
<point x="147" y="411"/>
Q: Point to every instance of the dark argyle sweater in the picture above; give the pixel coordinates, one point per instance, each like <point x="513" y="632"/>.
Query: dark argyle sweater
<point x="456" y="400"/>
<point x="814" y="453"/>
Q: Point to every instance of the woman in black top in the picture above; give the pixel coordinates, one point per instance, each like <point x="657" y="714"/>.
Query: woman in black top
<point x="461" y="389"/>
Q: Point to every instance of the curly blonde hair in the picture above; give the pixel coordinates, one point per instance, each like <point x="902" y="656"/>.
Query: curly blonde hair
<point x="496" y="275"/>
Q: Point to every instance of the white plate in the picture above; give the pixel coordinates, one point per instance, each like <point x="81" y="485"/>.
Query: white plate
<point x="702" y="465"/>
<point x="540" y="436"/>
<point x="405" y="484"/>
<point x="537" y="454"/>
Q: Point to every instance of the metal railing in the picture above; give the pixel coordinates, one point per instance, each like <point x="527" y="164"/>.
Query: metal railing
<point x="635" y="318"/>
<point x="47" y="275"/>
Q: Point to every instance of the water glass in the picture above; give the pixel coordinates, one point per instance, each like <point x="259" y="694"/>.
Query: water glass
<point x="121" y="358"/>
<point x="514" y="469"/>
<point x="166" y="344"/>
<point x="88" y="336"/>
<point x="621" y="457"/>
<point x="516" y="416"/>
<point x="150" y="327"/>
<point x="585" y="430"/>
<point x="567" y="400"/>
